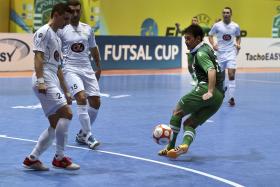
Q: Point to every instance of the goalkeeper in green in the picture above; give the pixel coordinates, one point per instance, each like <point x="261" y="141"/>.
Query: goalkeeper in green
<point x="204" y="100"/>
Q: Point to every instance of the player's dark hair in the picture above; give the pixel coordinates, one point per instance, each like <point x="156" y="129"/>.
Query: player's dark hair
<point x="228" y="8"/>
<point x="73" y="3"/>
<point x="194" y="30"/>
<point x="60" y="8"/>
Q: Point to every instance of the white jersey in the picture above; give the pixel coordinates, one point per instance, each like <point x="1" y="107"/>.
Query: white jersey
<point x="76" y="42"/>
<point x="225" y="33"/>
<point x="47" y="41"/>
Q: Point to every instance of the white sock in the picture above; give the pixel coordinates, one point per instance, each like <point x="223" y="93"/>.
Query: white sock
<point x="84" y="118"/>
<point x="61" y="132"/>
<point x="92" y="112"/>
<point x="231" y="88"/>
<point x="44" y="142"/>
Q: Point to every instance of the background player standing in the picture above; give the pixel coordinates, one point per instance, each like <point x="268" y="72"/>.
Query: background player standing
<point x="47" y="79"/>
<point x="204" y="100"/>
<point x="226" y="30"/>
<point x="77" y="42"/>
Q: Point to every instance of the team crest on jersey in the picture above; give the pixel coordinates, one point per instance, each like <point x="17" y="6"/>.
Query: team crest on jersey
<point x="78" y="47"/>
<point x="40" y="35"/>
<point x="226" y="37"/>
<point x="56" y="56"/>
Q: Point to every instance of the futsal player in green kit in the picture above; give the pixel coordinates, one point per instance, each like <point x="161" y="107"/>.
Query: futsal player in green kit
<point x="204" y="100"/>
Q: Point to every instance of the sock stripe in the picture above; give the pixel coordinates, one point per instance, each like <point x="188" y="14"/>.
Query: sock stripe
<point x="189" y="133"/>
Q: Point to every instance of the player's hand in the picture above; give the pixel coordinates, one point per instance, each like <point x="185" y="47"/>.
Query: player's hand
<point x="237" y="47"/>
<point x="42" y="88"/>
<point x="215" y="47"/>
<point x="207" y="96"/>
<point x="68" y="98"/>
<point x="97" y="74"/>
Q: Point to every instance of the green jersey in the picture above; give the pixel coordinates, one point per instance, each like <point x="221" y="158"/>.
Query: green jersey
<point x="203" y="59"/>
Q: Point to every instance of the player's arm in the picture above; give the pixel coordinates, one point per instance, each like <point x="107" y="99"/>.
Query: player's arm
<point x="63" y="85"/>
<point x="38" y="63"/>
<point x="211" y="83"/>
<point x="207" y="65"/>
<point x="238" y="42"/>
<point x="211" y="37"/>
<point x="96" y="56"/>
<point x="212" y="42"/>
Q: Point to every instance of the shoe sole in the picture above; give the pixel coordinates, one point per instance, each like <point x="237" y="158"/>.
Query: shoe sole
<point x="35" y="169"/>
<point x="69" y="168"/>
<point x="173" y="154"/>
<point x="94" y="146"/>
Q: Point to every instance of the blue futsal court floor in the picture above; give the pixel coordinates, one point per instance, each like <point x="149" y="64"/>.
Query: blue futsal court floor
<point x="238" y="146"/>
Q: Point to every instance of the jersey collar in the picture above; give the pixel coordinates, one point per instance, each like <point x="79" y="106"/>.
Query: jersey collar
<point x="196" y="48"/>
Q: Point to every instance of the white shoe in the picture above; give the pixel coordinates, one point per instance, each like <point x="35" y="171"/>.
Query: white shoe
<point x="193" y="83"/>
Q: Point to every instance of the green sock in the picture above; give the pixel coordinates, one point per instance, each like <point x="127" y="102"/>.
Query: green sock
<point x="189" y="135"/>
<point x="175" y="125"/>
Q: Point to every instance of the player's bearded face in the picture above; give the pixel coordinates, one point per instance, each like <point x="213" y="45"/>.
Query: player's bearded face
<point x="226" y="14"/>
<point x="76" y="13"/>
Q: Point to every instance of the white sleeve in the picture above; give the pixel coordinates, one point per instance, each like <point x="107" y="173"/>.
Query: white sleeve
<point x="213" y="30"/>
<point x="91" y="40"/>
<point x="40" y="40"/>
<point x="237" y="31"/>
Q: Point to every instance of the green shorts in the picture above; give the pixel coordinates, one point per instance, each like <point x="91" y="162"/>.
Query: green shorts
<point x="201" y="110"/>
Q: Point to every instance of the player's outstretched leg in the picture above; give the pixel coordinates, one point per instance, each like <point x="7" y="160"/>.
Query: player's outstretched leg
<point x="175" y="124"/>
<point x="189" y="136"/>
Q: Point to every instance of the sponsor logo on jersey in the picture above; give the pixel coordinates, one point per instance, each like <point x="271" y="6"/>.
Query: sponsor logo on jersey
<point x="78" y="47"/>
<point x="56" y="56"/>
<point x="226" y="37"/>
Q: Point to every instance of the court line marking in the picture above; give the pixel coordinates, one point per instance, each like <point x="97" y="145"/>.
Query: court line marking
<point x="259" y="81"/>
<point x="143" y="159"/>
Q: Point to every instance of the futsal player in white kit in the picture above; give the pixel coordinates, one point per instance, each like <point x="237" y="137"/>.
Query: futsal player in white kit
<point x="78" y="44"/>
<point x="47" y="82"/>
<point x="227" y="47"/>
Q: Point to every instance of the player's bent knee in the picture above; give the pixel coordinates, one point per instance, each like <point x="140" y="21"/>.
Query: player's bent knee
<point x="191" y="123"/>
<point x="94" y="102"/>
<point x="65" y="112"/>
<point x="81" y="98"/>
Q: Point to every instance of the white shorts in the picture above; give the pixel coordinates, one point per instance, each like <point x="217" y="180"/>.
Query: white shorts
<point x="53" y="100"/>
<point x="82" y="80"/>
<point x="227" y="59"/>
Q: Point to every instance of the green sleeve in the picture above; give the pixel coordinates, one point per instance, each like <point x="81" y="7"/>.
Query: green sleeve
<point x="190" y="58"/>
<point x="204" y="61"/>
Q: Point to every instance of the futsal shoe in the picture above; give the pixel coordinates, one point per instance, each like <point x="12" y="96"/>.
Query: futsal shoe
<point x="231" y="102"/>
<point x="65" y="163"/>
<point x="92" y="142"/>
<point x="193" y="82"/>
<point x="36" y="165"/>
<point x="163" y="152"/>
<point x="82" y="139"/>
<point x="177" y="151"/>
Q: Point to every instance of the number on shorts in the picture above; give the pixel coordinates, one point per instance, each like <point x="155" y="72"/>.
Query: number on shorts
<point x="74" y="87"/>
<point x="58" y="95"/>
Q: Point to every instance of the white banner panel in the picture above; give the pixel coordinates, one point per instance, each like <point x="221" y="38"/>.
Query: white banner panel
<point x="259" y="53"/>
<point x="254" y="53"/>
<point x="16" y="52"/>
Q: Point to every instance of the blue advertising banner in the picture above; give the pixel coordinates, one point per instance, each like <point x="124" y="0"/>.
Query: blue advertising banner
<point x="139" y="52"/>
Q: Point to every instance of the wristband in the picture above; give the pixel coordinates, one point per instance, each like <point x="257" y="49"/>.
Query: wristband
<point x="41" y="80"/>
